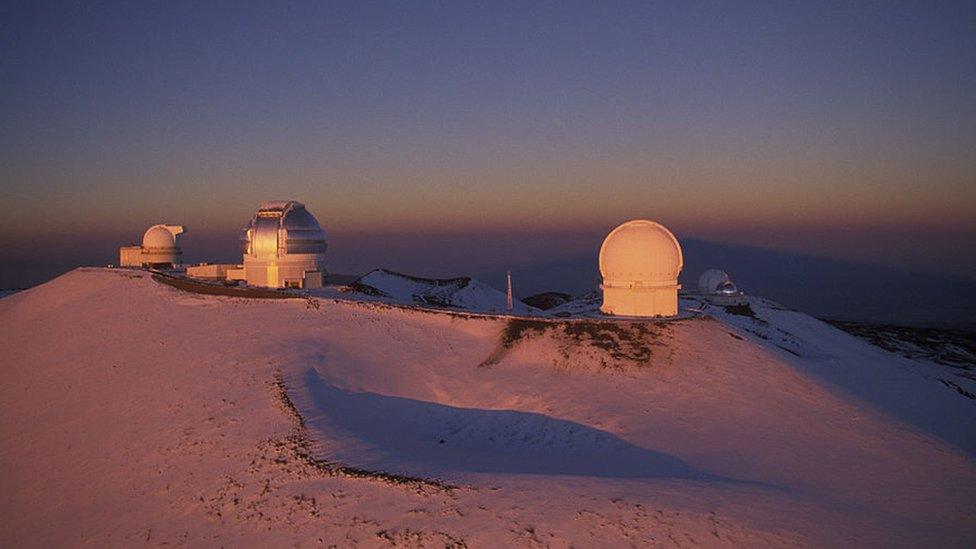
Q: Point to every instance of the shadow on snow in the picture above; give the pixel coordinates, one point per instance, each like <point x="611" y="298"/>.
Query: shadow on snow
<point x="415" y="437"/>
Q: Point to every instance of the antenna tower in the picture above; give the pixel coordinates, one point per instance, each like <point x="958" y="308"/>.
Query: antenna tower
<point x="508" y="295"/>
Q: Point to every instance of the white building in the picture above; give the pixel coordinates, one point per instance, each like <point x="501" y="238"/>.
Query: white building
<point x="160" y="248"/>
<point x="211" y="271"/>
<point x="717" y="287"/>
<point x="284" y="247"/>
<point x="712" y="280"/>
<point x="640" y="262"/>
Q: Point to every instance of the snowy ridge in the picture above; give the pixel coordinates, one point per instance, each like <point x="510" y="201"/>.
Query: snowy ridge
<point x="461" y="293"/>
<point x="928" y="392"/>
<point x="163" y="422"/>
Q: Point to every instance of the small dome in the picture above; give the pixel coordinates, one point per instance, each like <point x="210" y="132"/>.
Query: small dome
<point x="161" y="237"/>
<point x="710" y="280"/>
<point x="640" y="253"/>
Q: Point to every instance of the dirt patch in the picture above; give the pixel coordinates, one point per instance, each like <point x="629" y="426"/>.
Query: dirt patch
<point x="621" y="344"/>
<point x="517" y="329"/>
<point x="741" y="310"/>
<point x="958" y="388"/>
<point x="410" y="538"/>
<point x="547" y="300"/>
<point x="956" y="348"/>
<point x="206" y="288"/>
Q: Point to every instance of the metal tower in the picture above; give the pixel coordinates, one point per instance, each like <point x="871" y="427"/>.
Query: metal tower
<point x="508" y="295"/>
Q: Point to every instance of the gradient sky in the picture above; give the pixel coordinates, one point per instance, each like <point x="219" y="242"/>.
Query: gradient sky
<point x="844" y="130"/>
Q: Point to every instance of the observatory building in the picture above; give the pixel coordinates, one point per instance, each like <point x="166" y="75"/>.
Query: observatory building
<point x="716" y="286"/>
<point x="640" y="262"/>
<point x="160" y="248"/>
<point x="714" y="281"/>
<point x="283" y="246"/>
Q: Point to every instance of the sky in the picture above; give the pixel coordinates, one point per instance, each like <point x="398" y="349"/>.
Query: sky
<point x="841" y="130"/>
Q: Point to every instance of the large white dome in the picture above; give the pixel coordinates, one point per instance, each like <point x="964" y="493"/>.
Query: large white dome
<point x="161" y="237"/>
<point x="640" y="253"/>
<point x="640" y="262"/>
<point x="161" y="245"/>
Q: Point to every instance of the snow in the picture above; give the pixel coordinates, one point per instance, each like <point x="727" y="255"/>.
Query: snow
<point x="908" y="389"/>
<point x="135" y="412"/>
<point x="460" y="293"/>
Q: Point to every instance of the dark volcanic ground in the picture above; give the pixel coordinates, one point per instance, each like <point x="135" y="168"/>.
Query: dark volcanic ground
<point x="955" y="348"/>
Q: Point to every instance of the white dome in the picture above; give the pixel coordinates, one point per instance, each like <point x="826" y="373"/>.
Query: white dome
<point x="640" y="253"/>
<point x="161" y="245"/>
<point x="710" y="280"/>
<point x="161" y="237"/>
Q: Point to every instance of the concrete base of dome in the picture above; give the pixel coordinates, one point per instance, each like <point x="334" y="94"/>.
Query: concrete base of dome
<point x="295" y="271"/>
<point x="138" y="256"/>
<point x="649" y="302"/>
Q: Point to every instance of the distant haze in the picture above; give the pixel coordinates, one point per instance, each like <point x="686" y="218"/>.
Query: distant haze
<point x="567" y="262"/>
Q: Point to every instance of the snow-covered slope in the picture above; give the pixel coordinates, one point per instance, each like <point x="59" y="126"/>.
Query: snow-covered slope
<point x="460" y="293"/>
<point x="927" y="394"/>
<point x="135" y="412"/>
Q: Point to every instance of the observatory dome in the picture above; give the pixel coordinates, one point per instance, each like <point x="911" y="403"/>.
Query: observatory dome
<point x="161" y="245"/>
<point x="716" y="287"/>
<point x="640" y="262"/>
<point x="282" y="228"/>
<point x="710" y="281"/>
<point x="640" y="253"/>
<point x="158" y="236"/>
<point x="282" y="244"/>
